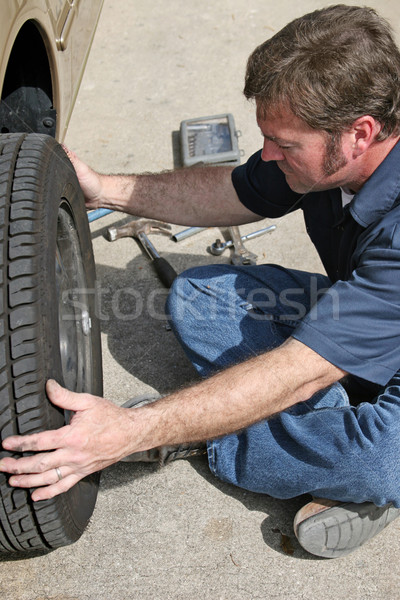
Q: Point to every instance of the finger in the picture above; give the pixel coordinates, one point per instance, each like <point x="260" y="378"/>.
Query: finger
<point x="51" y="440"/>
<point x="34" y="480"/>
<point x="48" y="484"/>
<point x="50" y="491"/>
<point x="36" y="442"/>
<point x="74" y="158"/>
<point x="65" y="399"/>
<point x="37" y="463"/>
<point x="70" y="153"/>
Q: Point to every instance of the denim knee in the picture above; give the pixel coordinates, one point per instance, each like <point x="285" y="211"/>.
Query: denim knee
<point x="378" y="444"/>
<point x="185" y="299"/>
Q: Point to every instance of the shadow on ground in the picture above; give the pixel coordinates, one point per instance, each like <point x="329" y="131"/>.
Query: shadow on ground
<point x="276" y="528"/>
<point x="131" y="309"/>
<point x="132" y="315"/>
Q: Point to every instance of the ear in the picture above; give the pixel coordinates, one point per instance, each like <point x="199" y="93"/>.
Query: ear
<point x="364" y="132"/>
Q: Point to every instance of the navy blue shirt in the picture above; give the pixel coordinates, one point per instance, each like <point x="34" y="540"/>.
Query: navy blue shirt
<point x="356" y="324"/>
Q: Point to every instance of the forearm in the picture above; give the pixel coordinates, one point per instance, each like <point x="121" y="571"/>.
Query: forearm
<point x="237" y="397"/>
<point x="101" y="433"/>
<point x="201" y="196"/>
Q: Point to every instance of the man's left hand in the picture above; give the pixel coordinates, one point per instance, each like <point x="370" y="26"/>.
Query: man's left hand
<point x="96" y="437"/>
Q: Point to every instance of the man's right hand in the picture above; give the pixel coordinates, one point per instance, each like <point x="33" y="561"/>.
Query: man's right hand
<point x="89" y="180"/>
<point x="203" y="196"/>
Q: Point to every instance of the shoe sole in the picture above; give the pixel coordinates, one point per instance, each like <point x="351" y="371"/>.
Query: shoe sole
<point x="164" y="454"/>
<point x="339" y="530"/>
<point x="147" y="456"/>
<point x="141" y="400"/>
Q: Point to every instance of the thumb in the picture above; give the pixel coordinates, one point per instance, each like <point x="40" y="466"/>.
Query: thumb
<point x="81" y="168"/>
<point x="66" y="399"/>
<point x="70" y="153"/>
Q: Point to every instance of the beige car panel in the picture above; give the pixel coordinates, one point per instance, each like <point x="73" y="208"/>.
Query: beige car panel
<point x="67" y="28"/>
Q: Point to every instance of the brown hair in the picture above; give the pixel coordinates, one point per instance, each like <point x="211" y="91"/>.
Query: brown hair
<point x="330" y="67"/>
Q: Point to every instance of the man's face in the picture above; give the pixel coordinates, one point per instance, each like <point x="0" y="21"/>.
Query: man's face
<point x="311" y="160"/>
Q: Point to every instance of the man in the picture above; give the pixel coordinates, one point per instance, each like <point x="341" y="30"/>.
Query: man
<point x="301" y="388"/>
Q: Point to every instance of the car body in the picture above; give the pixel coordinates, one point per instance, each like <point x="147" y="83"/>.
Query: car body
<point x="44" y="46"/>
<point x="45" y="235"/>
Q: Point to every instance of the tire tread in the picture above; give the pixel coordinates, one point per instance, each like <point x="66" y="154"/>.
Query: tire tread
<point x="24" y="526"/>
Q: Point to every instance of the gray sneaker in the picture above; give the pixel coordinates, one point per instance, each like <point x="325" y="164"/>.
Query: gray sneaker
<point x="163" y="454"/>
<point x="332" y="529"/>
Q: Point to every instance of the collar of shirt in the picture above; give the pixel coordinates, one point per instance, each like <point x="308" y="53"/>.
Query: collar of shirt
<point x="347" y="196"/>
<point x="379" y="192"/>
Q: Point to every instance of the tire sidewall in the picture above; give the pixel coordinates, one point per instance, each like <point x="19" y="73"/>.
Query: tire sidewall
<point x="61" y="186"/>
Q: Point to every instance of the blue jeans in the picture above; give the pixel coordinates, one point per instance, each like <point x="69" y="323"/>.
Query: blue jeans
<point x="325" y="446"/>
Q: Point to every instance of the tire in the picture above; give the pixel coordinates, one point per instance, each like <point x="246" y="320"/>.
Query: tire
<point x="48" y="327"/>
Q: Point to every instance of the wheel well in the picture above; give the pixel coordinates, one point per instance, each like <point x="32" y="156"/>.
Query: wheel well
<point x="27" y="96"/>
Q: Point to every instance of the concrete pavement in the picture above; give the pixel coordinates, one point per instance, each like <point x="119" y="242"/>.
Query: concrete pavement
<point x="177" y="533"/>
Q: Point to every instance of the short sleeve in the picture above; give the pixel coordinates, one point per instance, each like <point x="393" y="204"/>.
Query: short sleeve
<point x="355" y="324"/>
<point x="261" y="187"/>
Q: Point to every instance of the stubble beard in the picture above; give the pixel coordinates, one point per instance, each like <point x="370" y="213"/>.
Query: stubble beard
<point x="334" y="158"/>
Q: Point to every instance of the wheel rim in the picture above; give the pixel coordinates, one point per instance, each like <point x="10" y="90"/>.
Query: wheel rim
<point x="73" y="306"/>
